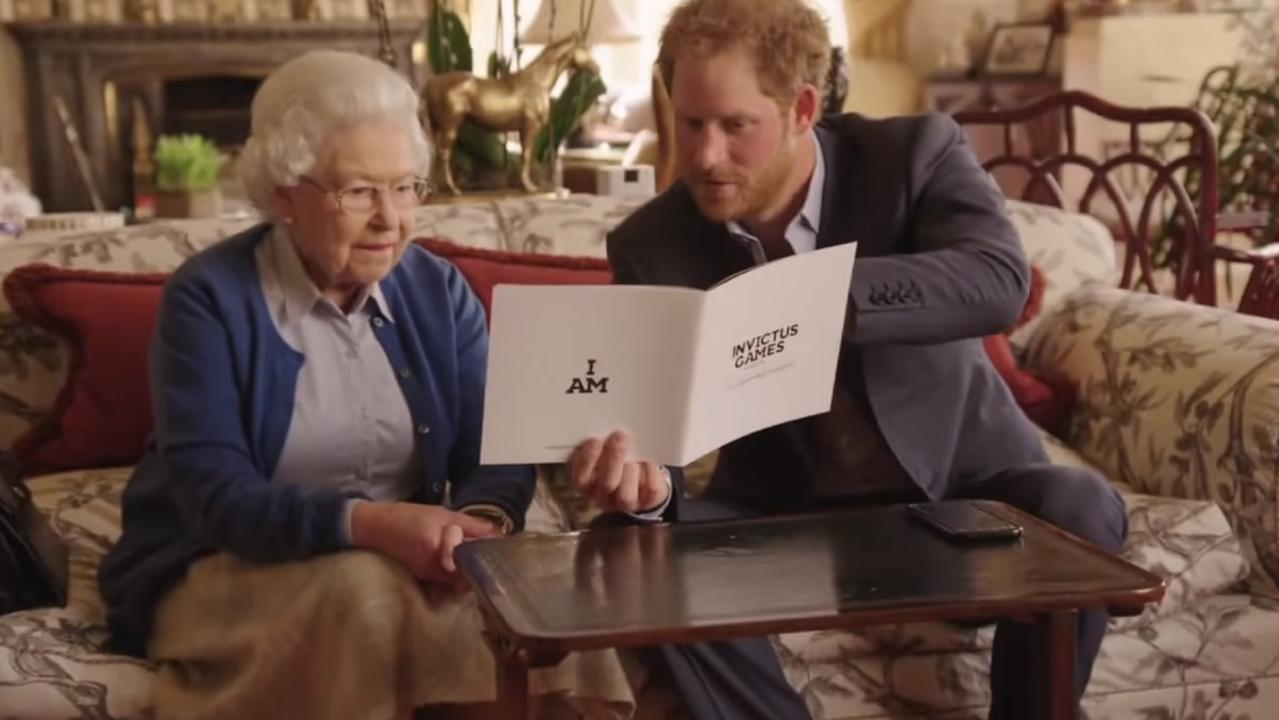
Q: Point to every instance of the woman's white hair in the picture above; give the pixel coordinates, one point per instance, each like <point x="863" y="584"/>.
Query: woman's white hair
<point x="308" y="99"/>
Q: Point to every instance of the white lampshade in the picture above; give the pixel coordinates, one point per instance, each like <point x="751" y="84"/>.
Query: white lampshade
<point x="608" y="24"/>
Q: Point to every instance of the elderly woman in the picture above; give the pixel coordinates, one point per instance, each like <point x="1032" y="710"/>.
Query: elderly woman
<point x="318" y="384"/>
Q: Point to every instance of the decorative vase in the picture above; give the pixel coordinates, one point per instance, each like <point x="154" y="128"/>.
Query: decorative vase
<point x="188" y="204"/>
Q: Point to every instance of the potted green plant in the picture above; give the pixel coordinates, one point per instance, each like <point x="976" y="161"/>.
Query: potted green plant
<point x="186" y="177"/>
<point x="1242" y="101"/>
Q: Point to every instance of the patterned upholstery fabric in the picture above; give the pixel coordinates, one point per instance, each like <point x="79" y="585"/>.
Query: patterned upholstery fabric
<point x="466" y="224"/>
<point x="1189" y="543"/>
<point x="1175" y="401"/>
<point x="1178" y="403"/>
<point x="52" y="665"/>
<point x="1215" y="661"/>
<point x="573" y="226"/>
<point x="1068" y="248"/>
<point x="51" y="661"/>
<point x="33" y="363"/>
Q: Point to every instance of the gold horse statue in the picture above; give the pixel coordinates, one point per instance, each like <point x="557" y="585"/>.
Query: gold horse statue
<point x="519" y="101"/>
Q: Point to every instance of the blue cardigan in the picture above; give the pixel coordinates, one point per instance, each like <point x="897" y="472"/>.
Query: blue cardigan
<point x="223" y="383"/>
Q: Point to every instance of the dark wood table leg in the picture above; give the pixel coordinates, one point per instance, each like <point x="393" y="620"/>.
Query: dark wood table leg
<point x="1056" y="641"/>
<point x="513" y="662"/>
<point x="512" y="686"/>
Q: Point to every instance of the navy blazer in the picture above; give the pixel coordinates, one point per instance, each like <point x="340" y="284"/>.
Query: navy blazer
<point x="223" y="383"/>
<point x="939" y="266"/>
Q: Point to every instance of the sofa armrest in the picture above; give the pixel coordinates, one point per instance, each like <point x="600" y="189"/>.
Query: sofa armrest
<point x="1174" y="399"/>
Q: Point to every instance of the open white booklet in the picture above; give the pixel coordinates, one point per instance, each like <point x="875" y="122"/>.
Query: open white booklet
<point x="685" y="371"/>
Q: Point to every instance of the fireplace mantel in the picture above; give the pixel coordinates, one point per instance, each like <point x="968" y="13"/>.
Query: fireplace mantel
<point x="94" y="66"/>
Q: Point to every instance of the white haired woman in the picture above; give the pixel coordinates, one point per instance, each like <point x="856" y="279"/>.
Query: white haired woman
<point x="318" y="388"/>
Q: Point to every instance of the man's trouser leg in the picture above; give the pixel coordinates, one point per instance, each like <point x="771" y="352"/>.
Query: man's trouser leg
<point x="1082" y="503"/>
<point x="731" y="680"/>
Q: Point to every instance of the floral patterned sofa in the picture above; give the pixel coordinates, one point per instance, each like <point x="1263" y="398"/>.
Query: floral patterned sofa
<point x="1178" y="404"/>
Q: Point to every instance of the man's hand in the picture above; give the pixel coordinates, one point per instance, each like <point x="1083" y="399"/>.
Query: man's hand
<point x="419" y="537"/>
<point x="604" y="471"/>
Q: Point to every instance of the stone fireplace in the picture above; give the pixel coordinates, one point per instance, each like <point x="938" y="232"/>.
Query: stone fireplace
<point x="214" y="105"/>
<point x="125" y="84"/>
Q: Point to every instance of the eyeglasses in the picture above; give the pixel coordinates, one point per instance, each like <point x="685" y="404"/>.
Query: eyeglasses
<point x="365" y="197"/>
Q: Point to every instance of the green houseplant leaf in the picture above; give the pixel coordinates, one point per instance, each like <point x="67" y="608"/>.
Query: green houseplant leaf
<point x="449" y="49"/>
<point x="448" y="44"/>
<point x="187" y="163"/>
<point x="482" y="145"/>
<point x="1242" y="101"/>
<point x="1243" y="106"/>
<point x="580" y="93"/>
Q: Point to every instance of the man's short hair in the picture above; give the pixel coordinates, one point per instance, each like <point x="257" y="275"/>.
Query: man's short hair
<point x="787" y="40"/>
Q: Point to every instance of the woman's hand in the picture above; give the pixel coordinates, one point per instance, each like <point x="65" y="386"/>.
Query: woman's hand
<point x="419" y="537"/>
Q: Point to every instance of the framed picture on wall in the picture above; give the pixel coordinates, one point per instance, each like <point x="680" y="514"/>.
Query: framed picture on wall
<point x="1018" y="49"/>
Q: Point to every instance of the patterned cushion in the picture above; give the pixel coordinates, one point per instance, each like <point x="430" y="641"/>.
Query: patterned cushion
<point x="485" y="269"/>
<point x="52" y="665"/>
<point x="1220" y="657"/>
<point x="1163" y="409"/>
<point x="474" y="224"/>
<point x="102" y="416"/>
<point x="1071" y="249"/>
<point x="1188" y="543"/>
<point x="576" y="225"/>
<point x="33" y="363"/>
<point x="51" y="661"/>
<point x="1220" y="660"/>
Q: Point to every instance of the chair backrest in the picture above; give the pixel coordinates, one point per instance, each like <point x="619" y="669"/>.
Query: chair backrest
<point x="1156" y="189"/>
<point x="1261" y="294"/>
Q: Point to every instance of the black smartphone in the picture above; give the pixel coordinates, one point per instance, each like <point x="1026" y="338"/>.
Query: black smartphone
<point x="964" y="520"/>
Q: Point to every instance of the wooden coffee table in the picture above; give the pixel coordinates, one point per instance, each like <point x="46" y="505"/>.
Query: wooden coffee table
<point x="545" y="596"/>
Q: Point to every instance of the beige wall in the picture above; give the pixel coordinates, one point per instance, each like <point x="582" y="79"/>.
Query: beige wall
<point x="1147" y="61"/>
<point x="13" y="121"/>
<point x="1136" y="60"/>
<point x="896" y="44"/>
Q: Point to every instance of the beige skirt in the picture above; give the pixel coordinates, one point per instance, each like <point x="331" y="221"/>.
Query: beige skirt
<point x="349" y="636"/>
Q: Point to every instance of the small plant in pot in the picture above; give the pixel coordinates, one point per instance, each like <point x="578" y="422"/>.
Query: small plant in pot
<point x="186" y="177"/>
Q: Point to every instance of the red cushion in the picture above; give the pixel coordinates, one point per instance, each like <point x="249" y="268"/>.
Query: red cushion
<point x="485" y="268"/>
<point x="102" y="416"/>
<point x="1034" y="299"/>
<point x="1045" y="400"/>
